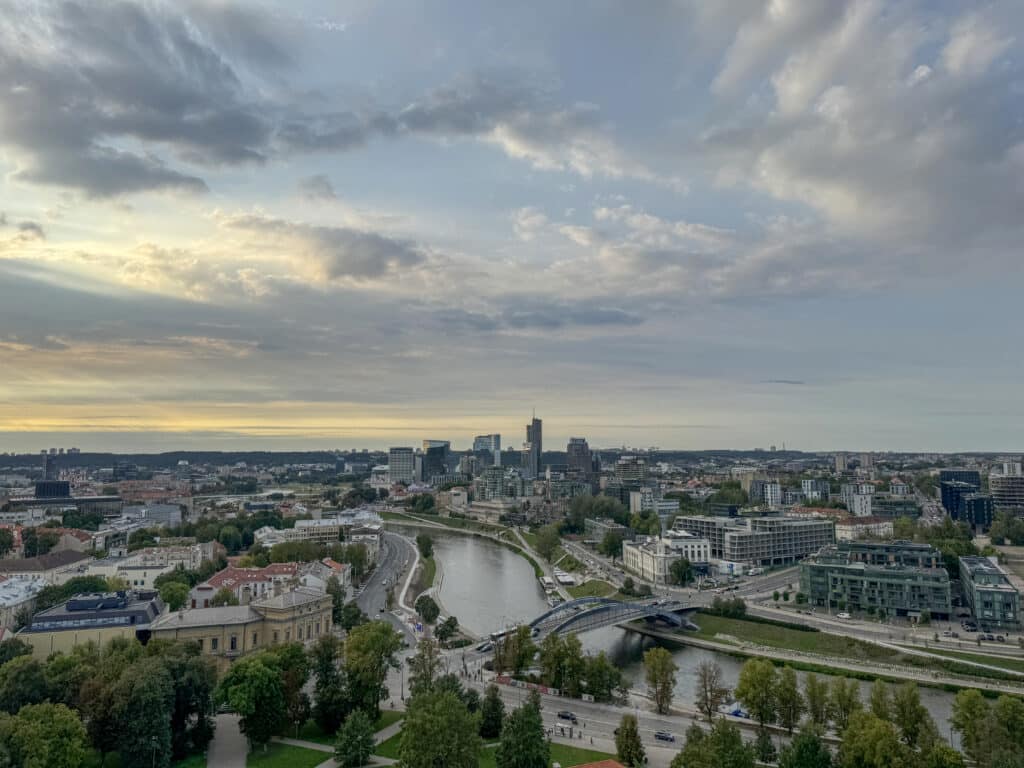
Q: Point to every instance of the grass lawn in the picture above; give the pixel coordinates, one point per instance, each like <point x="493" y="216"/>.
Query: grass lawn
<point x="562" y="754"/>
<point x="196" y="761"/>
<point x="531" y="539"/>
<point x="285" y="756"/>
<point x="827" y="645"/>
<point x="594" y="588"/>
<point x="389" y="748"/>
<point x="92" y="760"/>
<point x="311" y="731"/>
<point x="1016" y="665"/>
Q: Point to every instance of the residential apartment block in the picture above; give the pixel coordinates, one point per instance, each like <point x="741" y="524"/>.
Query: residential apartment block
<point x="762" y="541"/>
<point x="993" y="600"/>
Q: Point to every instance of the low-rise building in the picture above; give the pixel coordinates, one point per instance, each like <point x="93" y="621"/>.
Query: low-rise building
<point x="246" y="584"/>
<point x="853" y="528"/>
<point x="596" y="529"/>
<point x="896" y="578"/>
<point x="327" y="530"/>
<point x="993" y="600"/>
<point x="17" y="597"/>
<point x="96" y="618"/>
<point x="53" y="567"/>
<point x="767" y="540"/>
<point x="651" y="557"/>
<point x="298" y="615"/>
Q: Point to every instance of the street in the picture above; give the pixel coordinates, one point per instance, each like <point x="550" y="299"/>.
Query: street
<point x="395" y="552"/>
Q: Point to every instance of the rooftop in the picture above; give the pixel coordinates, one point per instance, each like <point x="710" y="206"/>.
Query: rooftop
<point x="42" y="563"/>
<point x="205" y="617"/>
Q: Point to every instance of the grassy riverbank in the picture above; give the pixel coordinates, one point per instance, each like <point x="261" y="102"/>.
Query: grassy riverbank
<point x="593" y="588"/>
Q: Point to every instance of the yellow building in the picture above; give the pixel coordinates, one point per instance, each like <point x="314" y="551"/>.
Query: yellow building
<point x="303" y="615"/>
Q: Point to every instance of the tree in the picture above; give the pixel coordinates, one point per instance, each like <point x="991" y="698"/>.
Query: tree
<point x="351" y="616"/>
<point x="47" y="736"/>
<point x="628" y="586"/>
<point x="843" y="701"/>
<point x="144" y="704"/>
<point x="425" y="544"/>
<point x="523" y="742"/>
<point x="22" y="681"/>
<point x="6" y="541"/>
<point x="944" y="756"/>
<point x="573" y="665"/>
<point x="369" y="652"/>
<point x="514" y="651"/>
<point x="880" y="703"/>
<point x="872" y="743"/>
<point x="816" y="697"/>
<point x="603" y="679"/>
<point x="252" y="688"/>
<point x="231" y="538"/>
<point x="611" y="545"/>
<point x="628" y="746"/>
<point x="293" y="666"/>
<point x="660" y="673"/>
<point x="711" y="693"/>
<point x="551" y="655"/>
<point x="764" y="747"/>
<point x="447" y="629"/>
<point x="492" y="713"/>
<point x="174" y="594"/>
<point x="548" y="539"/>
<point x="223" y="596"/>
<point x="756" y="690"/>
<point x="355" y="741"/>
<point x="805" y="750"/>
<point x="722" y="747"/>
<point x="424" y="667"/>
<point x="10" y="649"/>
<point x="337" y="593"/>
<point x="681" y="571"/>
<point x="427" y="608"/>
<point x="910" y="716"/>
<point x="971" y="717"/>
<point x="788" y="702"/>
<point x="331" y="701"/>
<point x="439" y="731"/>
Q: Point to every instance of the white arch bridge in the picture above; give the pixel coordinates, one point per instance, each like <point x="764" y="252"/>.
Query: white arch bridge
<point x="588" y="613"/>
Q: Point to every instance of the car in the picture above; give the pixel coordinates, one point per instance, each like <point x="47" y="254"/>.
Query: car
<point x="843" y="615"/>
<point x="377" y="617"/>
<point x="1000" y="639"/>
<point x="664" y="736"/>
<point x="565" y="714"/>
<point x="990" y="637"/>
<point x="947" y="633"/>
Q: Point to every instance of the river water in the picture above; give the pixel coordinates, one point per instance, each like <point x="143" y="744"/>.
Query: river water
<point x="487" y="586"/>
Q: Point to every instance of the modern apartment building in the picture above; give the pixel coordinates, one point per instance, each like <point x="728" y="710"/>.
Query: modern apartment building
<point x="1007" y="489"/>
<point x="898" y="578"/>
<point x="401" y="465"/>
<point x="763" y="541"/>
<point x="993" y="600"/>
<point x="815" y="490"/>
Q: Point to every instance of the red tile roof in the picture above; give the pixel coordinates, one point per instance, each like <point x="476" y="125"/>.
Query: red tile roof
<point x="230" y="577"/>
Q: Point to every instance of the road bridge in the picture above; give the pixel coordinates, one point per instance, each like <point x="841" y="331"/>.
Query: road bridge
<point x="588" y="613"/>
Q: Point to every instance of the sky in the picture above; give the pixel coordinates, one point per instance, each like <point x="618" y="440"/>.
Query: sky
<point x="682" y="224"/>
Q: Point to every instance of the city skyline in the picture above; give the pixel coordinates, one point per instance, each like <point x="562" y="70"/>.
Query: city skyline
<point x="313" y="225"/>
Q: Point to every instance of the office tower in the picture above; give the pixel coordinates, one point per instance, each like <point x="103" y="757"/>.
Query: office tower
<point x="49" y="467"/>
<point x="534" y="447"/>
<point x="1007" y="489"/>
<point x="579" y="460"/>
<point x="631" y="471"/>
<point x="491" y="443"/>
<point x="435" y="459"/>
<point x="401" y="465"/>
<point x="970" y="476"/>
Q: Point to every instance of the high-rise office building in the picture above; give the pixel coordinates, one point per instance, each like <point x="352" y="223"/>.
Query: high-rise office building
<point x="401" y="465"/>
<point x="970" y="476"/>
<point x="579" y="461"/>
<point x="490" y="443"/>
<point x="534" y="447"/>
<point x="1007" y="489"/>
<point x="435" y="459"/>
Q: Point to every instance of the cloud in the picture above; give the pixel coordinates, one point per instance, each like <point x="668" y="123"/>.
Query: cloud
<point x="334" y="252"/>
<point x="317" y="187"/>
<point x="531" y="314"/>
<point x="786" y="382"/>
<point x="974" y="43"/>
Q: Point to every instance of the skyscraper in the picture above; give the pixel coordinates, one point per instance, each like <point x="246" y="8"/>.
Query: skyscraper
<point x="579" y="461"/>
<point x="491" y="443"/>
<point x="534" y="447"/>
<point x="401" y="465"/>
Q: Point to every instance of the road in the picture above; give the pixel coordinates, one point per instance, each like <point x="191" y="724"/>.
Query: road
<point x="395" y="554"/>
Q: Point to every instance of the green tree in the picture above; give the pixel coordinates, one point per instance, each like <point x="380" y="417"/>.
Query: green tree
<point x="223" y="596"/>
<point x="47" y="736"/>
<point x="144" y="704"/>
<point x="370" y="651"/>
<point x="293" y="665"/>
<point x="427" y="608"/>
<point x="628" y="746"/>
<point x="337" y="593"/>
<point x="174" y="594"/>
<point x="439" y="731"/>
<point x="10" y="649"/>
<point x="756" y="690"/>
<point x="358" y="560"/>
<point x="711" y="691"/>
<point x="523" y="742"/>
<point x="944" y="756"/>
<point x="425" y="544"/>
<point x="331" y="702"/>
<point x="6" y="541"/>
<point x="681" y="571"/>
<point x="231" y="538"/>
<point x="660" y="673"/>
<point x="843" y="701"/>
<point x="548" y="540"/>
<point x="492" y="713"/>
<point x="805" y="750"/>
<point x="355" y="741"/>
<point x="816" y="696"/>
<point x="602" y="678"/>
<point x="424" y="667"/>
<point x="972" y="717"/>
<point x="253" y="689"/>
<point x="880" y="702"/>
<point x="573" y="665"/>
<point x="764" y="747"/>
<point x="788" y="701"/>
<point x="722" y="747"/>
<point x="910" y="716"/>
<point x="551" y="656"/>
<point x="696" y="752"/>
<point x="446" y="629"/>
<point x="611" y="545"/>
<point x="872" y="743"/>
<point x="351" y="616"/>
<point x="22" y="681"/>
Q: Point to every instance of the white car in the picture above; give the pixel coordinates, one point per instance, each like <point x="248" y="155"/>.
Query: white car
<point x="843" y="615"/>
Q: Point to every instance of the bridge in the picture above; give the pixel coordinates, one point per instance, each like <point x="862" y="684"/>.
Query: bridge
<point x="588" y="613"/>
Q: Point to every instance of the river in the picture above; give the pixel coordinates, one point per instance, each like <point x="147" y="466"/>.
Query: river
<point x="487" y="586"/>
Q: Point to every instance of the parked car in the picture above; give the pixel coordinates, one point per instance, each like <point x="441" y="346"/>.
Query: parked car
<point x="990" y="637"/>
<point x="843" y="615"/>
<point x="1000" y="639"/>
<point x="664" y="736"/>
<point x="567" y="715"/>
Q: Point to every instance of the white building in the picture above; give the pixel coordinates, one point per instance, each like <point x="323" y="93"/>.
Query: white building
<point x="864" y="527"/>
<point x="651" y="557"/>
<point x="17" y="593"/>
<point x="773" y="494"/>
<point x="860" y="504"/>
<point x="327" y="530"/>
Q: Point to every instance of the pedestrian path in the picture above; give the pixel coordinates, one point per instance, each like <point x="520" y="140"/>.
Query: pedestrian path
<point x="381" y="736"/>
<point x="228" y="747"/>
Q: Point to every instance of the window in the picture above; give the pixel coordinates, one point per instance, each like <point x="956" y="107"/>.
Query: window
<point x="255" y="639"/>
<point x="200" y="643"/>
<point x="214" y="642"/>
<point x="287" y="635"/>
<point x="234" y="643"/>
<point x="275" y="637"/>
